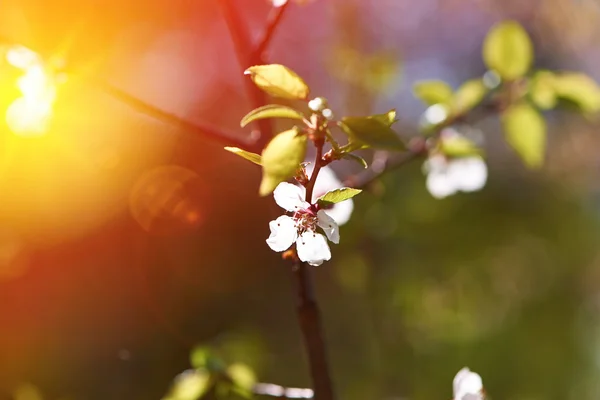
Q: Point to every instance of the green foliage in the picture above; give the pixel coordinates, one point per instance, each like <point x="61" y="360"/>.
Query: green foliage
<point x="354" y="157"/>
<point x="281" y="158"/>
<point x="242" y="378"/>
<point x="525" y="131"/>
<point x="271" y="111"/>
<point x="579" y="89"/>
<point x="387" y="118"/>
<point x="371" y="132"/>
<point x="190" y="385"/>
<point x="542" y="91"/>
<point x="468" y="95"/>
<point x="337" y="195"/>
<point x="507" y="49"/>
<point x="433" y="91"/>
<point x="252" y="157"/>
<point x="279" y="81"/>
<point x="458" y="146"/>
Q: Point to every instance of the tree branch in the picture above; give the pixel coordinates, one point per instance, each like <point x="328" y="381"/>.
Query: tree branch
<point x="273" y="21"/>
<point x="310" y="324"/>
<point x="368" y="176"/>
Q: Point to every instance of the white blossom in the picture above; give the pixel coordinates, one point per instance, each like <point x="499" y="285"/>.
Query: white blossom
<point x="446" y="176"/>
<point x="327" y="181"/>
<point x="301" y="228"/>
<point x="467" y="385"/>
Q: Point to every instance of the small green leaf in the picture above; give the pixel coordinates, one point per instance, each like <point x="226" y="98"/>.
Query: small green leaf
<point x="432" y="92"/>
<point x="278" y="81"/>
<point x="337" y="195"/>
<point x="354" y="157"/>
<point x="190" y="385"/>
<point x="578" y="88"/>
<point x="255" y="158"/>
<point x="458" y="146"/>
<point x="387" y="118"/>
<point x="271" y="111"/>
<point x="281" y="158"/>
<point x="371" y="132"/>
<point x="542" y="91"/>
<point x="468" y="95"/>
<point x="507" y="49"/>
<point x="525" y="131"/>
<point x="242" y="377"/>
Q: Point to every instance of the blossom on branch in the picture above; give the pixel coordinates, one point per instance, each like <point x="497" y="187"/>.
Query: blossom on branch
<point x="447" y="176"/>
<point x="303" y="228"/>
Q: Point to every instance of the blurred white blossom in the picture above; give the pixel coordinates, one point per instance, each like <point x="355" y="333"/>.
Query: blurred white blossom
<point x="447" y="176"/>
<point x="467" y="385"/>
<point x="327" y="181"/>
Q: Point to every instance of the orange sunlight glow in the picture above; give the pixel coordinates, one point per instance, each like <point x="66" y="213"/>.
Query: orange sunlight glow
<point x="29" y="115"/>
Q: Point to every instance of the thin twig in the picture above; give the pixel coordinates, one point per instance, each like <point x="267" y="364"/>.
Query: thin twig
<point x="368" y="176"/>
<point x="273" y="21"/>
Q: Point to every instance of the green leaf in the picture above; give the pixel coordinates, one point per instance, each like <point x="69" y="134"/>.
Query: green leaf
<point x="542" y="90"/>
<point x="371" y="132"/>
<point x="578" y="88"/>
<point x="507" y="49"/>
<point x="190" y="385"/>
<point x="278" y="81"/>
<point x="242" y="377"/>
<point x="387" y="118"/>
<point x="458" y="146"/>
<point x="337" y="195"/>
<point x="354" y="157"/>
<point x="255" y="158"/>
<point x="281" y="158"/>
<point x="525" y="131"/>
<point x="468" y="95"/>
<point x="432" y="92"/>
<point x="271" y="111"/>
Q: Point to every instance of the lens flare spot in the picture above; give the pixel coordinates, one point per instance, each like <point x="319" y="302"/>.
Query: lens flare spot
<point x="168" y="200"/>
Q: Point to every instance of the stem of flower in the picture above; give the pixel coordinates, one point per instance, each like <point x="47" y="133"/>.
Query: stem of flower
<point x="319" y="143"/>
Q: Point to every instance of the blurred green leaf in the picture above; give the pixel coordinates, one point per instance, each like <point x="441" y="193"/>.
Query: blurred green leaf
<point x="542" y="90"/>
<point x="458" y="146"/>
<point x="278" y="81"/>
<point x="27" y="391"/>
<point x="371" y="132"/>
<point x="189" y="385"/>
<point x="507" y="49"/>
<point x="281" y="158"/>
<point x="354" y="157"/>
<point x="337" y="195"/>
<point x="432" y="92"/>
<point x="468" y="95"/>
<point x="243" y="378"/>
<point x="255" y="158"/>
<point x="271" y="111"/>
<point x="387" y="118"/>
<point x="525" y="131"/>
<point x="578" y="88"/>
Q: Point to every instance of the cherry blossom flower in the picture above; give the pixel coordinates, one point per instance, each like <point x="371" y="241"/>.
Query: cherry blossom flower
<point x="327" y="181"/>
<point x="467" y="385"/>
<point x="446" y="176"/>
<point x="302" y="228"/>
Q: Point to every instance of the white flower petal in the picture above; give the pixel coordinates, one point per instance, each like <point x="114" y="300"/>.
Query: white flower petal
<point x="467" y="385"/>
<point x="290" y="197"/>
<point x="312" y="248"/>
<point x="469" y="173"/>
<point x="283" y="233"/>
<point x="327" y="180"/>
<point x="328" y="224"/>
<point x="440" y="184"/>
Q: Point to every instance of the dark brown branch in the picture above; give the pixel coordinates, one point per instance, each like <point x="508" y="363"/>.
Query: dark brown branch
<point x="368" y="176"/>
<point x="273" y="21"/>
<point x="204" y="130"/>
<point x="244" y="50"/>
<point x="310" y="324"/>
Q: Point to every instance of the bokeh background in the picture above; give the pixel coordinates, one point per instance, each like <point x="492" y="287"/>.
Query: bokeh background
<point x="125" y="241"/>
